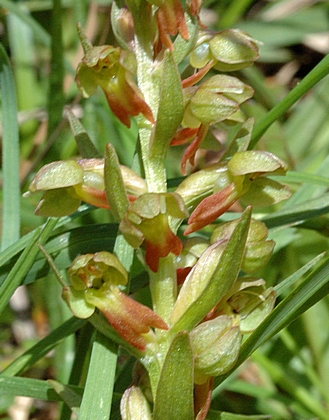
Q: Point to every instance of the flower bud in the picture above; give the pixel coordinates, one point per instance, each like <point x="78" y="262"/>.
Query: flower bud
<point x="258" y="249"/>
<point x="216" y="344"/>
<point x="249" y="301"/>
<point x="134" y="405"/>
<point x="231" y="49"/>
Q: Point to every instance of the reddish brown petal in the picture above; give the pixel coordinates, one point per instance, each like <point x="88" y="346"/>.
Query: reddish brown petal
<point x="196" y="77"/>
<point x="92" y="196"/>
<point x="202" y="398"/>
<point x="211" y="207"/>
<point x="171" y="20"/>
<point x="132" y="320"/>
<point x="184" y="135"/>
<point x="193" y="147"/>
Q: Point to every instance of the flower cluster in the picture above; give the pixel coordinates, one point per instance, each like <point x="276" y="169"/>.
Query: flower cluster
<point x="209" y="280"/>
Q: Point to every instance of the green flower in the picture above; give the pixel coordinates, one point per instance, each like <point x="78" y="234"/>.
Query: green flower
<point x="95" y="281"/>
<point x="147" y="223"/>
<point x="243" y="177"/>
<point x="67" y="183"/>
<point x="110" y="68"/>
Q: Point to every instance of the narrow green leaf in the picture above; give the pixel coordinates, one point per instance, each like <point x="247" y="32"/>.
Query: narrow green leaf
<point x="312" y="78"/>
<point x="299" y="212"/>
<point x="23" y="264"/>
<point x="10" y="154"/>
<point x="216" y="415"/>
<point x="174" y="396"/>
<point x="56" y="98"/>
<point x="43" y="347"/>
<point x="64" y="248"/>
<point x="14" y="249"/>
<point x="38" y="31"/>
<point x="284" y="285"/>
<point x="97" y="396"/>
<point x="303" y="178"/>
<point x="233" y="13"/>
<point x="33" y="388"/>
<point x="69" y="396"/>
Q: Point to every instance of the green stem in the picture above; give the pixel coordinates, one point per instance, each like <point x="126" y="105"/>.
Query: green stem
<point x="314" y="76"/>
<point x="148" y="82"/>
<point x="163" y="287"/>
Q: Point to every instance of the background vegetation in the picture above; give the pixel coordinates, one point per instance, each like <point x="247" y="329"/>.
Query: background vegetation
<point x="288" y="377"/>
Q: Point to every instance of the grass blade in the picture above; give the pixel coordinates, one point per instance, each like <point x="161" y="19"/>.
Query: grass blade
<point x="24" y="262"/>
<point x="35" y="353"/>
<point x="33" y="388"/>
<point x="10" y="155"/>
<point x="312" y="78"/>
<point x="97" y="396"/>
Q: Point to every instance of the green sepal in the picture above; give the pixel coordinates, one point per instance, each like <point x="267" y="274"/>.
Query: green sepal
<point x="211" y="278"/>
<point x="171" y="108"/>
<point x="265" y="192"/>
<point x="233" y="49"/>
<point x="215" y="100"/>
<point x="174" y="395"/>
<point x="114" y="185"/>
<point x="58" y="202"/>
<point x="256" y="161"/>
<point x="216" y="344"/>
<point x="64" y="173"/>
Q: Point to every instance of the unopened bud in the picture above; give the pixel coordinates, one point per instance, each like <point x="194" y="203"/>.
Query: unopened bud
<point x="216" y="344"/>
<point x="134" y="405"/>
